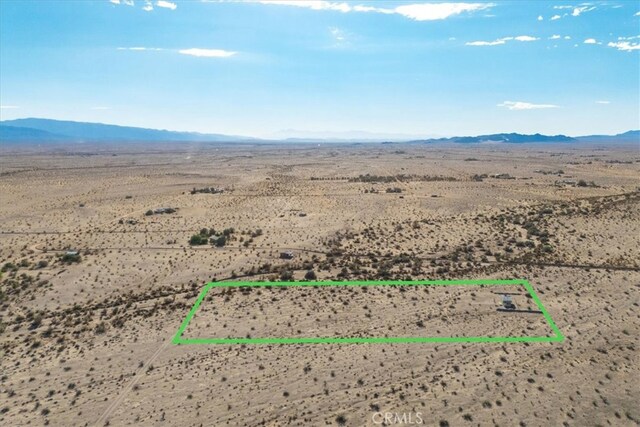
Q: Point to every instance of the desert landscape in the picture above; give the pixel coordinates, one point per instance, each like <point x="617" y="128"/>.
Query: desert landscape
<point x="104" y="249"/>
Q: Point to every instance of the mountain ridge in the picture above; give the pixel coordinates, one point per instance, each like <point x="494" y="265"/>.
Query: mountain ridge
<point x="65" y="131"/>
<point x="72" y="131"/>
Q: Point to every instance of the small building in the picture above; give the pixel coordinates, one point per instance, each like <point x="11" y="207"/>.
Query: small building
<point x="71" y="253"/>
<point x="286" y="255"/>
<point x="163" y="210"/>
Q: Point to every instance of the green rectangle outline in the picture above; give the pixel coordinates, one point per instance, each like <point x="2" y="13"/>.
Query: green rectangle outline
<point x="558" y="337"/>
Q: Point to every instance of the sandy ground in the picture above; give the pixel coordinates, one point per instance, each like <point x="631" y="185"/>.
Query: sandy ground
<point x="89" y="342"/>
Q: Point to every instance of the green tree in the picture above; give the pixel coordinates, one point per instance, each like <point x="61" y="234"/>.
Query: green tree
<point x="220" y="241"/>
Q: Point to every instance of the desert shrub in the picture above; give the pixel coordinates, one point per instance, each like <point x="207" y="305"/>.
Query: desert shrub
<point x="37" y="321"/>
<point x="219" y="241"/>
<point x="42" y="263"/>
<point x="310" y="275"/>
<point x="198" y="239"/>
<point x="9" y="266"/>
<point x="149" y="212"/>
<point x="101" y="328"/>
<point x="70" y="258"/>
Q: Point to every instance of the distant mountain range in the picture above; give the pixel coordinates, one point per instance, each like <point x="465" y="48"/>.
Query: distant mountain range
<point x="513" y="138"/>
<point x="33" y="130"/>
<point x="43" y="130"/>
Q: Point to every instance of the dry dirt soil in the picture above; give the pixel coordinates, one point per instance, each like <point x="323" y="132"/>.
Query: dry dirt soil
<point x="86" y="338"/>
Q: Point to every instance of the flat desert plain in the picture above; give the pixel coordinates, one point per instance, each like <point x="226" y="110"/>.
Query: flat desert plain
<point x="105" y="249"/>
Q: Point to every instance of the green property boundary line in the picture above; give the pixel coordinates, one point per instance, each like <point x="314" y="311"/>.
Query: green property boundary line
<point x="558" y="337"/>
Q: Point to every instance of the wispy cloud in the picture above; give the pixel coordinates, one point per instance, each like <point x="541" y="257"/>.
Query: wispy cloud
<point x="503" y="40"/>
<point x="519" y="105"/>
<point x="554" y="37"/>
<point x="577" y="11"/>
<point x="590" y="41"/>
<point x="437" y="11"/>
<point x="526" y="38"/>
<point x="580" y="10"/>
<point x="148" y="4"/>
<point x="166" y="4"/>
<point x="485" y="43"/>
<point x="8" y="107"/>
<point x="603" y="102"/>
<point x="417" y="11"/>
<point x="624" y="45"/>
<point x="207" y="53"/>
<point x="338" y="35"/>
<point x="141" y="48"/>
<point x="204" y="53"/>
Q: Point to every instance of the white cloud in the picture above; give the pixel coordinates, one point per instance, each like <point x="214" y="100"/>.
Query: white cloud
<point x="148" y="6"/>
<point x="311" y="4"/>
<point x="501" y="41"/>
<point x="540" y="18"/>
<point x="8" y="107"/>
<point x="207" y="53"/>
<point x="484" y="43"/>
<point x="526" y="38"/>
<point x="417" y="11"/>
<point x="579" y="10"/>
<point x="590" y="41"/>
<point x="625" y="46"/>
<point x="554" y="37"/>
<point x="563" y="7"/>
<point x="636" y="14"/>
<point x="555" y="17"/>
<point x="603" y="102"/>
<point x="126" y="2"/>
<point x="519" y="105"/>
<point x="436" y="11"/>
<point x="166" y="4"/>
<point x="567" y="37"/>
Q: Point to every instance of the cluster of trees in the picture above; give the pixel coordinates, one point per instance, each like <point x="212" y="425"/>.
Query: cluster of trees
<point x="211" y="236"/>
<point x="70" y="258"/>
<point x="208" y="190"/>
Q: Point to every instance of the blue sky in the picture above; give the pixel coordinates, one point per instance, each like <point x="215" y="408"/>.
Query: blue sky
<point x="259" y="68"/>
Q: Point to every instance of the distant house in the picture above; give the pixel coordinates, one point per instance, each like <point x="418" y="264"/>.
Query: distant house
<point x="501" y="176"/>
<point x="286" y="255"/>
<point x="71" y="253"/>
